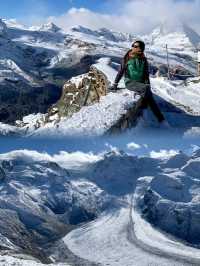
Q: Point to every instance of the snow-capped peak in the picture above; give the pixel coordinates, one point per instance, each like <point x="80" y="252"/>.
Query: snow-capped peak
<point x="179" y="35"/>
<point x="104" y="33"/>
<point x="193" y="36"/>
<point x="3" y="28"/>
<point x="82" y="29"/>
<point x="115" y="36"/>
<point x="13" y="23"/>
<point x="49" y="27"/>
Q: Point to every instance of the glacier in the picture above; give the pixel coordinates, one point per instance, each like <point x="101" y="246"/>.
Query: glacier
<point x="73" y="195"/>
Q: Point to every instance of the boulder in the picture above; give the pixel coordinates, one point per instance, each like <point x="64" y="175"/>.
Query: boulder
<point x="78" y="92"/>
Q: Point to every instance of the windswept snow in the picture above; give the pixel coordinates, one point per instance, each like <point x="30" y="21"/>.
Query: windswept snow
<point x="6" y="130"/>
<point x="183" y="95"/>
<point x="94" y="120"/>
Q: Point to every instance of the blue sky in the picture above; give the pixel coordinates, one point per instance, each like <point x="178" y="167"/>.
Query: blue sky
<point x="20" y="9"/>
<point x="23" y="8"/>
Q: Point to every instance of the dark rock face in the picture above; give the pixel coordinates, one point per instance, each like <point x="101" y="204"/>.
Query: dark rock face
<point x="2" y="174"/>
<point x="128" y="120"/>
<point x="20" y="99"/>
<point x="74" y="96"/>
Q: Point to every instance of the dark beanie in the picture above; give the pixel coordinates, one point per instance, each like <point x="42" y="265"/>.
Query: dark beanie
<point x="141" y="44"/>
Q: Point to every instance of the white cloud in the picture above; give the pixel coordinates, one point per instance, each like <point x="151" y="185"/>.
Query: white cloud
<point x="87" y="18"/>
<point x="163" y="154"/>
<point x="133" y="146"/>
<point x="135" y="16"/>
<point x="65" y="159"/>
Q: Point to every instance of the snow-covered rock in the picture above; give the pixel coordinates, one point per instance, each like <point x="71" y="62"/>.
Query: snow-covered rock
<point x="94" y="120"/>
<point x="3" y="28"/>
<point x="13" y="23"/>
<point x="178" y="37"/>
<point x="49" y="27"/>
<point x="7" y="130"/>
<point x="78" y="92"/>
<point x="84" y="97"/>
<point x="171" y="201"/>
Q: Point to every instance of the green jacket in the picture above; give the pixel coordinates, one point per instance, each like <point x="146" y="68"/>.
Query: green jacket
<point x="134" y="68"/>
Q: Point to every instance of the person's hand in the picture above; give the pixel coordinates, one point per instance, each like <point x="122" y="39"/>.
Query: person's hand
<point x="114" y="87"/>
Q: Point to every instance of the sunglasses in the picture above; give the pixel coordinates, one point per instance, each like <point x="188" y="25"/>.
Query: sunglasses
<point x="135" y="46"/>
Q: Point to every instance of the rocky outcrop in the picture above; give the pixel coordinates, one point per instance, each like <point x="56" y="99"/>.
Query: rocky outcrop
<point x="129" y="119"/>
<point x="3" y="29"/>
<point x="20" y="99"/>
<point x="80" y="111"/>
<point x="2" y="174"/>
<point x="78" y="92"/>
<point x="51" y="27"/>
<point x="114" y="113"/>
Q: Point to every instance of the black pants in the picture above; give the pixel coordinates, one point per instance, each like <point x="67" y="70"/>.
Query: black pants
<point x="145" y="91"/>
<point x="148" y="100"/>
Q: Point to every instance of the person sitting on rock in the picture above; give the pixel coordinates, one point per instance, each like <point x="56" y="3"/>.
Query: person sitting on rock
<point x="135" y="68"/>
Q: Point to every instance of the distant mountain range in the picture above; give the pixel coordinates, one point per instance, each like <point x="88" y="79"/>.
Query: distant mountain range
<point x="36" y="61"/>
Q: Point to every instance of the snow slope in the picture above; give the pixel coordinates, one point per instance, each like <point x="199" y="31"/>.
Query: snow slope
<point x="94" y="120"/>
<point x="140" y="206"/>
<point x="121" y="236"/>
<point x="59" y="45"/>
<point x="179" y="38"/>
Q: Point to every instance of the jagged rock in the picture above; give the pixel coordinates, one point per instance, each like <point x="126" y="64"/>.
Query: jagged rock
<point x="3" y="28"/>
<point x="129" y="119"/>
<point x="113" y="113"/>
<point x="2" y="174"/>
<point x="50" y="27"/>
<point x="78" y="92"/>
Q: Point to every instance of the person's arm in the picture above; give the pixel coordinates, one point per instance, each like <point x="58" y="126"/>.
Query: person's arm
<point x="146" y="72"/>
<point x="120" y="72"/>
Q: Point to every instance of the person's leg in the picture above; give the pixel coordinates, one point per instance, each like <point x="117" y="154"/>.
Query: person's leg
<point x="137" y="87"/>
<point x="149" y="101"/>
